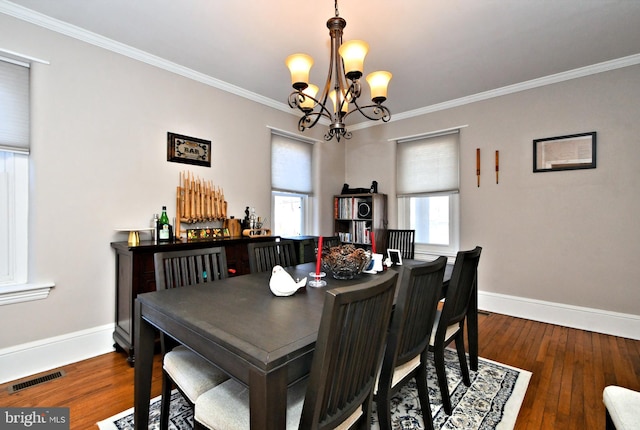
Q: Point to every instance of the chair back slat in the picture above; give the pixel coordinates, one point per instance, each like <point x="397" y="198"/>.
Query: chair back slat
<point x="197" y="266"/>
<point x="263" y="256"/>
<point x="402" y="240"/>
<point x="349" y="348"/>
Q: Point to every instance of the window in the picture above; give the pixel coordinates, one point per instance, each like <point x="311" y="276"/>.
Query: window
<point x="14" y="174"/>
<point x="427" y="189"/>
<point x="14" y="183"/>
<point x="291" y="184"/>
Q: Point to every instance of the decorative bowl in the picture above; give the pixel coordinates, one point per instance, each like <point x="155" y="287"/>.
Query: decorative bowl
<point x="345" y="261"/>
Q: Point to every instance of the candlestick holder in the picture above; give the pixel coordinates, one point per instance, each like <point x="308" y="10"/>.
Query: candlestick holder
<point x="316" y="279"/>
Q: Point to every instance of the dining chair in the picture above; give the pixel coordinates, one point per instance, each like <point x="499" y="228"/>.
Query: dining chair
<point x="307" y="250"/>
<point x="339" y="390"/>
<point x="406" y="354"/>
<point x="263" y="256"/>
<point x="402" y="240"/>
<point x="330" y="241"/>
<point x="189" y="372"/>
<point x="449" y="321"/>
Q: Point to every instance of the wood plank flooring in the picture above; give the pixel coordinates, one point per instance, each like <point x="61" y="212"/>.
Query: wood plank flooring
<point x="570" y="369"/>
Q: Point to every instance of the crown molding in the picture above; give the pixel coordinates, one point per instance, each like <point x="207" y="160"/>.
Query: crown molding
<point x="81" y="34"/>
<point x="61" y="27"/>
<point x="593" y="69"/>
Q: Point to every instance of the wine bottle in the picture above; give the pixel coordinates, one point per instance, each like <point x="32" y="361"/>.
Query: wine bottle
<point x="164" y="228"/>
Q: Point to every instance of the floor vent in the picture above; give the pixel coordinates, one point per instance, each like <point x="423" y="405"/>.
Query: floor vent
<point x="35" y="381"/>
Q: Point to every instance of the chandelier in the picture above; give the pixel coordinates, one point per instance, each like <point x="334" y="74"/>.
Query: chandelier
<point x="346" y="66"/>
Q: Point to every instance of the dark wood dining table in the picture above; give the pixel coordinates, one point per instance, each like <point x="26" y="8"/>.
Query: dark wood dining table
<point x="264" y="341"/>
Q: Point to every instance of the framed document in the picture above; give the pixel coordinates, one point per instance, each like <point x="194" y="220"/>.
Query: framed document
<point x="572" y="152"/>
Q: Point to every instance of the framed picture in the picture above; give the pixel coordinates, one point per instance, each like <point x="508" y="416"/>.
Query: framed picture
<point x="572" y="152"/>
<point x="395" y="256"/>
<point x="188" y="150"/>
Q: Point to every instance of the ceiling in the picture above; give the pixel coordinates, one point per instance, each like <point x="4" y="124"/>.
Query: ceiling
<point x="438" y="50"/>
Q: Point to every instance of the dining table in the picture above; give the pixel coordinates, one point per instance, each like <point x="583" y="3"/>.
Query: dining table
<point x="264" y="341"/>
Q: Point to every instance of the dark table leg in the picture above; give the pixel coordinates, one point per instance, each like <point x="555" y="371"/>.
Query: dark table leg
<point x="144" y="341"/>
<point x="268" y="399"/>
<point x="472" y="327"/>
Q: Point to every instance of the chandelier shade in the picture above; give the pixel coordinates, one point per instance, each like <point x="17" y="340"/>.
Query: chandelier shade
<point x="309" y="102"/>
<point x="342" y="86"/>
<point x="378" y="82"/>
<point x="299" y="65"/>
<point x="353" y="53"/>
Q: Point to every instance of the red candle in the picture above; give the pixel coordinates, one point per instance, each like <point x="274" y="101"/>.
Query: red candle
<point x="319" y="256"/>
<point x="373" y="243"/>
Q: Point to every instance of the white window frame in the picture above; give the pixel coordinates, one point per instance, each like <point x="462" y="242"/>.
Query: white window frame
<point x="293" y="189"/>
<point x="14" y="284"/>
<point x="427" y="250"/>
<point x="304" y="209"/>
<point x="16" y="180"/>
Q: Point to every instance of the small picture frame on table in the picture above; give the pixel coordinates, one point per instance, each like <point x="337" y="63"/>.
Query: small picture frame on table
<point x="395" y="257"/>
<point x="188" y="150"/>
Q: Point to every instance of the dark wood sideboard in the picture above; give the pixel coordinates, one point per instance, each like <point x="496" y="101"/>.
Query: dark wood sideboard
<point x="135" y="274"/>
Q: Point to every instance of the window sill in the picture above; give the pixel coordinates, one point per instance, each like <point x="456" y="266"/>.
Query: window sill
<point x="18" y="293"/>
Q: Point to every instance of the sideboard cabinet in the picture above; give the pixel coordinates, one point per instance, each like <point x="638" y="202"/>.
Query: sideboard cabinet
<point x="135" y="274"/>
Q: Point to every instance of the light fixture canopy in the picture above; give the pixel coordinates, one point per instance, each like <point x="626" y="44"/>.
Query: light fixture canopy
<point x="346" y="67"/>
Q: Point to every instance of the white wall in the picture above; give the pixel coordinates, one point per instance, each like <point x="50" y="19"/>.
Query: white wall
<point x="98" y="162"/>
<point x="567" y="238"/>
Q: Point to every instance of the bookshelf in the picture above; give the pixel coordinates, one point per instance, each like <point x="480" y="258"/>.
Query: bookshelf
<point x="357" y="215"/>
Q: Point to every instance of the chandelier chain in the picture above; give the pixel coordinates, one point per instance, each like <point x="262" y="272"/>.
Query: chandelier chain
<point x="335" y="4"/>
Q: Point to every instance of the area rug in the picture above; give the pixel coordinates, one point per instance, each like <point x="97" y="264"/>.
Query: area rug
<point x="491" y="402"/>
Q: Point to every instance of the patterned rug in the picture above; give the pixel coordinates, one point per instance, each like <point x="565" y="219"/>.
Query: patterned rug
<point x="491" y="402"/>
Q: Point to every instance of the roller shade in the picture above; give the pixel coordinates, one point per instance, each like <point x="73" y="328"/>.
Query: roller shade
<point x="14" y="107"/>
<point x="291" y="164"/>
<point x="428" y="164"/>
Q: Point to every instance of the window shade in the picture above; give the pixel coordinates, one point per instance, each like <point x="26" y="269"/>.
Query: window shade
<point x="428" y="164"/>
<point x="290" y="164"/>
<point x="14" y="107"/>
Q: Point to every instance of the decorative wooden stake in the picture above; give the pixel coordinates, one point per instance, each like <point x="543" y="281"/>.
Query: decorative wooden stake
<point x="478" y="165"/>
<point x="497" y="165"/>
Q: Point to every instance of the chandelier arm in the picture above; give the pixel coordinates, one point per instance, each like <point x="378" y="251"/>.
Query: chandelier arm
<point x="307" y="118"/>
<point x="380" y="112"/>
<point x="296" y="98"/>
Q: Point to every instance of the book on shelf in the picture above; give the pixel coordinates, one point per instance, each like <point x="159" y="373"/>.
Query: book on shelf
<point x="349" y="207"/>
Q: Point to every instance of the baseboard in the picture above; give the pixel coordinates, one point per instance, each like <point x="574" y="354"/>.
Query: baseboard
<point x="596" y="320"/>
<point x="27" y="359"/>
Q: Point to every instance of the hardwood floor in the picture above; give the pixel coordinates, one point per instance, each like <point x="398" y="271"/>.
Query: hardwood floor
<point x="570" y="369"/>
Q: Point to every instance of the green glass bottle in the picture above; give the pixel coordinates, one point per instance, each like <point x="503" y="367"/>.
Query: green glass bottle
<point x="164" y="228"/>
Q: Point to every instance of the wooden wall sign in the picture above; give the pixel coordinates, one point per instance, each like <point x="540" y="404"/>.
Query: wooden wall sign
<point x="188" y="150"/>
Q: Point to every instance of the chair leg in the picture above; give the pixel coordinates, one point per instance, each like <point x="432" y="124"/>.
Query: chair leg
<point x="384" y="411"/>
<point x="165" y="403"/>
<point x="423" y="395"/>
<point x="364" y="423"/>
<point x="462" y="358"/>
<point x="438" y="356"/>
